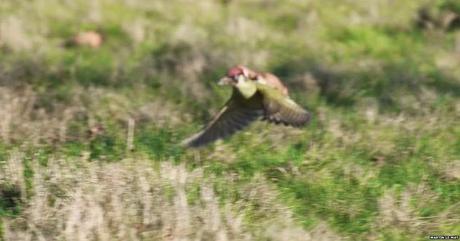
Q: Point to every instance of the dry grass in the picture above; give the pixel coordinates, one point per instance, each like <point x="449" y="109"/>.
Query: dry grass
<point x="400" y="210"/>
<point x="132" y="200"/>
<point x="26" y="117"/>
<point x="383" y="93"/>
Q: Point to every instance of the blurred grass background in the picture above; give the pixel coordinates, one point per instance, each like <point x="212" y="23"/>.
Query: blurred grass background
<point x="380" y="160"/>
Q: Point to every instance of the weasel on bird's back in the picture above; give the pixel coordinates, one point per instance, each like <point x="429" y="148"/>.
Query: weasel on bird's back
<point x="255" y="95"/>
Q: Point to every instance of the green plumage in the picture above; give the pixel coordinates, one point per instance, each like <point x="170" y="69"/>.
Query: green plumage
<point x="250" y="101"/>
<point x="246" y="88"/>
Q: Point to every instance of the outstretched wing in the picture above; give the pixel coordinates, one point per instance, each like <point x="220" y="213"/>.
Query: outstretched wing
<point x="237" y="114"/>
<point x="279" y="108"/>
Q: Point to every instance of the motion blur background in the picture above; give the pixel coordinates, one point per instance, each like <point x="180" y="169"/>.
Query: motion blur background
<point x="96" y="95"/>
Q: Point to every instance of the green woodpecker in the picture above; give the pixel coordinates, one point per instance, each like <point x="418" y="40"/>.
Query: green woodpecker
<point x="255" y="96"/>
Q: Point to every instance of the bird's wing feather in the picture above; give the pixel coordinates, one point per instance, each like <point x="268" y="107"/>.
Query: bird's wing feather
<point x="237" y="114"/>
<point x="280" y="108"/>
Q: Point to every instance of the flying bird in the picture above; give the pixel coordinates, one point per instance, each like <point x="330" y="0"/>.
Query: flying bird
<point x="255" y="96"/>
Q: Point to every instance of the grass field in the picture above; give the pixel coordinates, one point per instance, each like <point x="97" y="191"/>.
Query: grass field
<point x="89" y="137"/>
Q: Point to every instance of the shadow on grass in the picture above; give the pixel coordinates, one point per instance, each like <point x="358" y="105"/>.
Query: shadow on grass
<point x="10" y="200"/>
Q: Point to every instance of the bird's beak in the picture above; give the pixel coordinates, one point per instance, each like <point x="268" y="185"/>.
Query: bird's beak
<point x="225" y="81"/>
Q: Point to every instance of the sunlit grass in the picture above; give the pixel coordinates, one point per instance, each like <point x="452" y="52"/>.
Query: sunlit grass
<point x="384" y="94"/>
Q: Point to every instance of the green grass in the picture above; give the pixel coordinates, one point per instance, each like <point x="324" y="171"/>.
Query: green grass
<point x="383" y="93"/>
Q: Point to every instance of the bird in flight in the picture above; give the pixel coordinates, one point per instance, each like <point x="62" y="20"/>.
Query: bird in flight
<point x="255" y="96"/>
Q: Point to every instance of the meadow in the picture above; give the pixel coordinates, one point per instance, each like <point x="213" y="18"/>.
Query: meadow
<point x="89" y="136"/>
